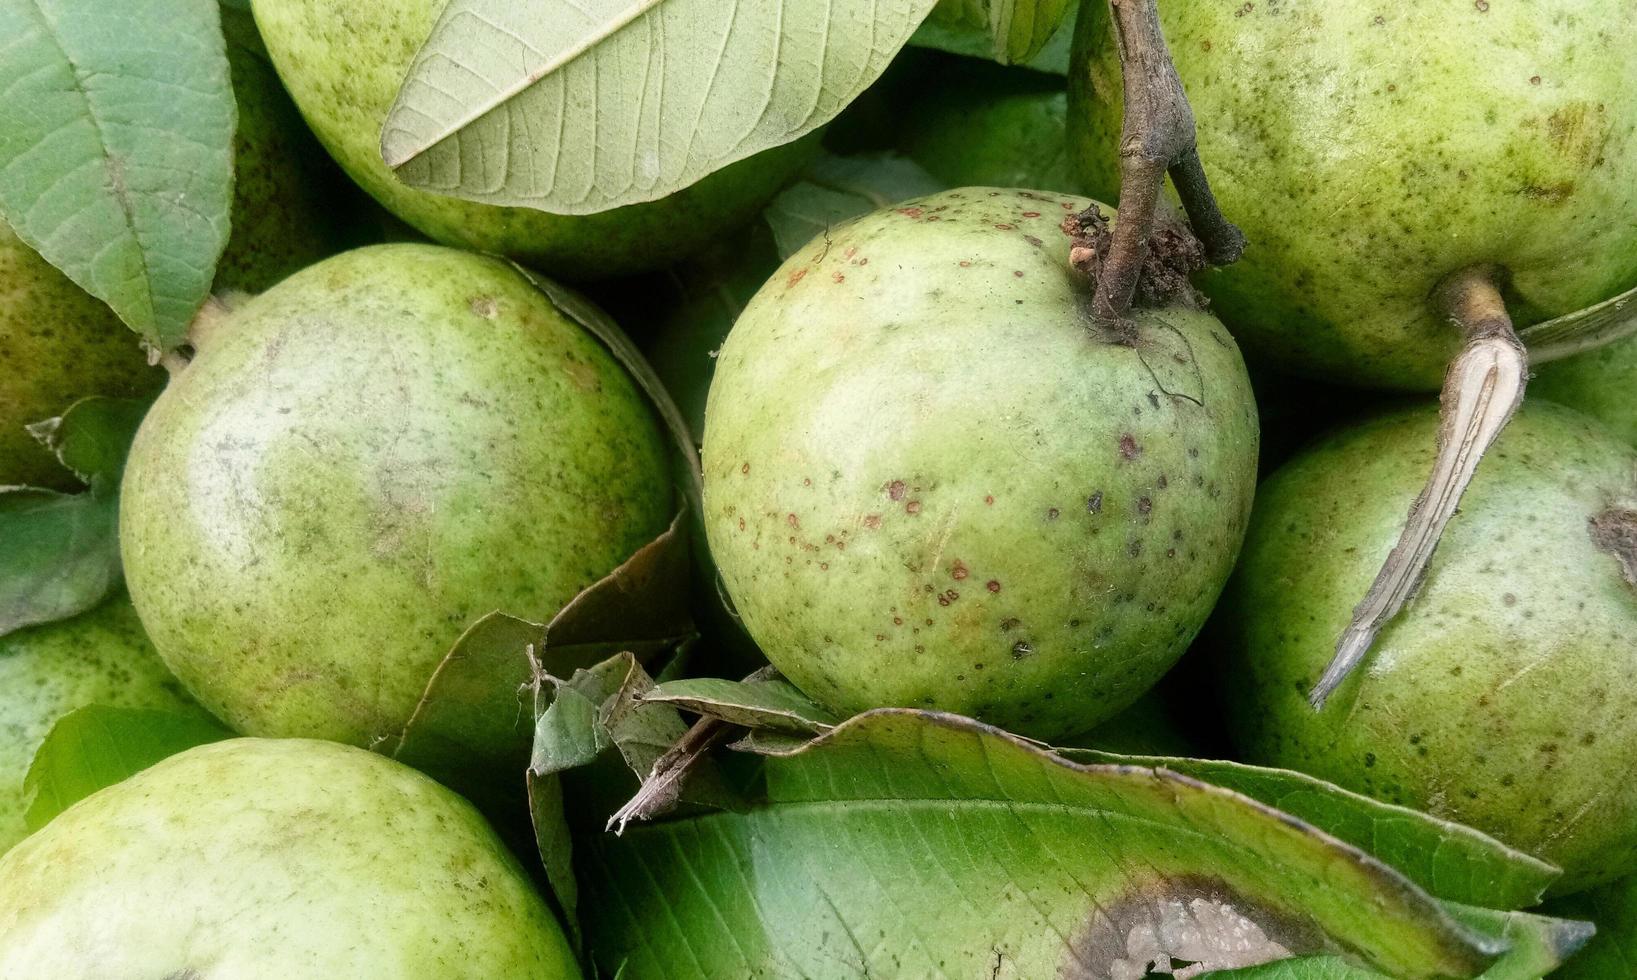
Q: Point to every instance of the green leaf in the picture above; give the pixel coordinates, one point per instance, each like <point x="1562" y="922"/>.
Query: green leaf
<point x="1016" y="30"/>
<point x="1613" y="951"/>
<point x="1595" y="326"/>
<point x="773" y="703"/>
<point x="116" y="149"/>
<point x="576" y="107"/>
<point x="837" y="189"/>
<point x="98" y="746"/>
<point x="907" y="843"/>
<point x="949" y="30"/>
<point x="61" y="554"/>
<point x="1451" y="861"/>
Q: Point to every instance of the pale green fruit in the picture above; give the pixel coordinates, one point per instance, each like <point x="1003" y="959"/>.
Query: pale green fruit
<point x="256" y="859"/>
<point x="360" y="463"/>
<point x="1602" y="383"/>
<point x="1368" y="151"/>
<point x="99" y="657"/>
<point x="58" y="344"/>
<point x="928" y="484"/>
<point x="1502" y="696"/>
<point x="344" y="62"/>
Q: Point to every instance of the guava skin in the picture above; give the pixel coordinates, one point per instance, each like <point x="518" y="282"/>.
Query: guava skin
<point x="256" y="858"/>
<point x="361" y="462"/>
<point x="1602" y="383"/>
<point x="1368" y="151"/>
<point x="927" y="484"/>
<point x="1501" y="696"/>
<point x="343" y="63"/>
<point x="98" y="657"/>
<point x="58" y="344"/>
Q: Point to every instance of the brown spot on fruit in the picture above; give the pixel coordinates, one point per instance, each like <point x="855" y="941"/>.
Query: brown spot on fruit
<point x="1129" y="448"/>
<point x="896" y="489"/>
<point x="872" y="521"/>
<point x="745" y="469"/>
<point x="1615" y="533"/>
<point x="958" y="571"/>
<point x="913" y="507"/>
<point x="792" y="520"/>
<point x="993" y="585"/>
<point x="1094" y="503"/>
<point x="910" y="212"/>
<point x="795" y="277"/>
<point x="485" y="307"/>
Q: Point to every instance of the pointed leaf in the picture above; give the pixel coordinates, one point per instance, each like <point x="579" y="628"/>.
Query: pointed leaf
<point x="1595" y="326"/>
<point x="98" y="746"/>
<point x="116" y="149"/>
<point x="963" y="37"/>
<point x="773" y="703"/>
<point x="908" y="843"/>
<point x="1017" y="30"/>
<point x="577" y="107"/>
<point x="838" y="189"/>
<point x="1613" y="951"/>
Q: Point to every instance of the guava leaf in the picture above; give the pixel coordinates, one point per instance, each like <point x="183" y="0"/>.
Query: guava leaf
<point x="948" y="31"/>
<point x="1017" y="30"/>
<point x="1452" y="862"/>
<point x="576" y="107"/>
<point x="836" y="189"/>
<point x="116" y="149"/>
<point x="1588" y="329"/>
<point x="61" y="553"/>
<point x="1537" y="945"/>
<point x="768" y="703"/>
<point x="1613" y="951"/>
<point x="97" y="746"/>
<point x="979" y="854"/>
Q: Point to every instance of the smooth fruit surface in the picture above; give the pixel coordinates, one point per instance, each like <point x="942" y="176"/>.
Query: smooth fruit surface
<point x="928" y="484"/>
<point x="1602" y="383"/>
<point x="256" y="859"/>
<point x="1501" y="697"/>
<point x="1368" y="151"/>
<point x="361" y="462"/>
<point x="343" y="62"/>
<point x="99" y="657"/>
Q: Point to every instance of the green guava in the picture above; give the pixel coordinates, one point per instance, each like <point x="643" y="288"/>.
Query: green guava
<point x="256" y="858"/>
<point x="361" y="462"/>
<point x="1501" y="696"/>
<point x="98" y="657"/>
<point x="969" y="122"/>
<point x="1602" y="383"/>
<point x="928" y="483"/>
<point x="1369" y="151"/>
<point x="344" y="62"/>
<point x="74" y="346"/>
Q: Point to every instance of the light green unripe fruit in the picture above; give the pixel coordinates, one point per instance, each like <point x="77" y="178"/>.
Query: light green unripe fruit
<point x="344" y="62"/>
<point x="927" y="483"/>
<point x="59" y="344"/>
<point x="266" y="860"/>
<point x="98" y="657"/>
<point x="1501" y="697"/>
<point x="360" y="463"/>
<point x="1602" y="383"/>
<point x="1369" y="151"/>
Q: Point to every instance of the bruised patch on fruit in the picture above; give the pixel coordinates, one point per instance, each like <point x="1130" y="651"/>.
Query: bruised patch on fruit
<point x="1184" y="927"/>
<point x="1615" y="532"/>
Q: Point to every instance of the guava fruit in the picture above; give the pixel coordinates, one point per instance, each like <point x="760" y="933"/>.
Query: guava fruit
<point x="1602" y="383"/>
<point x="98" y="657"/>
<point x="1370" y="152"/>
<point x="344" y="63"/>
<point x="257" y="858"/>
<point x="67" y="344"/>
<point x="362" y="461"/>
<point x="1500" y="697"/>
<point x="930" y="482"/>
<point x="969" y="122"/>
<point x="59" y="344"/>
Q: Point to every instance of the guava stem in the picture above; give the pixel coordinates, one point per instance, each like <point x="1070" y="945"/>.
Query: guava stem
<point x="1482" y="390"/>
<point x="1156" y="134"/>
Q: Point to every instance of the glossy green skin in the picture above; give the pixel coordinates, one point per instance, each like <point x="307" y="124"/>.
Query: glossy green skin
<point x="99" y="657"/>
<point x="1367" y="151"/>
<point x="907" y="434"/>
<point x="343" y="62"/>
<point x="68" y="345"/>
<point x="972" y="123"/>
<point x="1602" y="383"/>
<point x="58" y="344"/>
<point x="1501" y="697"/>
<point x="260" y="859"/>
<point x="359" y="464"/>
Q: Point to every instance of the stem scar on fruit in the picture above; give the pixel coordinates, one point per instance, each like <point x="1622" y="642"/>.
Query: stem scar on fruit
<point x="1156" y="137"/>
